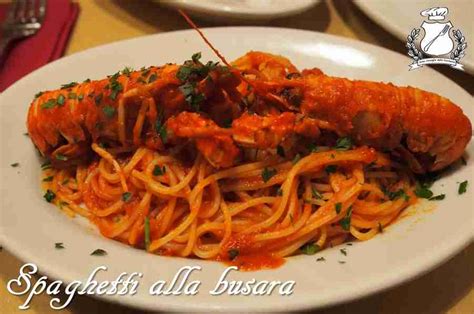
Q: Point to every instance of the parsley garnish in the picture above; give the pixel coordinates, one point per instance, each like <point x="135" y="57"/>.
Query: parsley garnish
<point x="49" y="196"/>
<point x="61" y="157"/>
<point x="109" y="111"/>
<point x="343" y="251"/>
<point x="462" y="187"/>
<point x="15" y="164"/>
<point x="80" y="97"/>
<point x="147" y="232"/>
<point x="280" y="151"/>
<point x="49" y="104"/>
<point x="60" y="100"/>
<point x="310" y="249"/>
<point x="296" y="159"/>
<point x="423" y="191"/>
<point x="126" y="196"/>
<point x="152" y="78"/>
<point x="195" y="57"/>
<point x="343" y="143"/>
<point x="46" y="165"/>
<point x="268" y="173"/>
<point x="158" y="171"/>
<point x="439" y="197"/>
<point x="99" y="252"/>
<point x="320" y="259"/>
<point x="330" y="169"/>
<point x="338" y="207"/>
<point x="233" y="253"/>
<point x="313" y="148"/>
<point x="48" y="179"/>
<point x="161" y="130"/>
<point x="59" y="245"/>
<point x="316" y="194"/>
<point x="346" y="221"/>
<point x="38" y="94"/>
<point x="69" y="85"/>
<point x="398" y="194"/>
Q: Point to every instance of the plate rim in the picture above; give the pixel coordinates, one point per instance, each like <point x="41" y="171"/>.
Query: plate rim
<point x="453" y="246"/>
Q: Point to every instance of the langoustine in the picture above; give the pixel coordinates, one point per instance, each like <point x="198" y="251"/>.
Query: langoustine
<point x="266" y="103"/>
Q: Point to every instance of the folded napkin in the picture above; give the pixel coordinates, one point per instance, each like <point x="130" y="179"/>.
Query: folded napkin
<point x="46" y="45"/>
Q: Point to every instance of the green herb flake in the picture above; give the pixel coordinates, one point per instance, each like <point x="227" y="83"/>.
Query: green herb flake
<point x="126" y="197"/>
<point x="15" y="164"/>
<point x="109" y="111"/>
<point x="343" y="143"/>
<point x="98" y="99"/>
<point x="316" y="194"/>
<point x="439" y="197"/>
<point x="46" y="165"/>
<point x="69" y="85"/>
<point x="423" y="191"/>
<point x="49" y="196"/>
<point x="233" y="253"/>
<point x="38" y="94"/>
<point x="280" y="151"/>
<point x="61" y="157"/>
<point x="99" y="252"/>
<point x="48" y="104"/>
<point x="338" y="207"/>
<point x="320" y="259"/>
<point x="343" y="252"/>
<point x="59" y="245"/>
<point x="48" y="179"/>
<point x="195" y="57"/>
<point x="152" y="78"/>
<point x="310" y="249"/>
<point x="88" y="80"/>
<point x="296" y="159"/>
<point x="147" y="232"/>
<point x="341" y="262"/>
<point x="330" y="169"/>
<point x="462" y="187"/>
<point x="268" y="173"/>
<point x="397" y="194"/>
<point x="346" y="221"/>
<point x="80" y="97"/>
<point x="60" y="100"/>
<point x="313" y="148"/>
<point x="158" y="171"/>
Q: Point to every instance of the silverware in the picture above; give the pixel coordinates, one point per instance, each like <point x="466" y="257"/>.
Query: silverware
<point x="24" y="18"/>
<point x="442" y="33"/>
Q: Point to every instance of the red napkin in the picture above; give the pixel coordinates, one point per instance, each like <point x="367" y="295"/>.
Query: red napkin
<point x="46" y="45"/>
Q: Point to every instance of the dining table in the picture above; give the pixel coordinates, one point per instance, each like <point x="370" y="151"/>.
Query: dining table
<point x="449" y="288"/>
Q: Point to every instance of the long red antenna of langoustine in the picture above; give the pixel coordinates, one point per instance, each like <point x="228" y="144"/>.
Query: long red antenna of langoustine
<point x="193" y="25"/>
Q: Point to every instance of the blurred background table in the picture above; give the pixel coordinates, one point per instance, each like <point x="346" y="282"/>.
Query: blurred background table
<point x="449" y="288"/>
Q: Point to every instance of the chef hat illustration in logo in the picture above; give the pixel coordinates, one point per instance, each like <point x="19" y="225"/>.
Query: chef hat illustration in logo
<point x="436" y="41"/>
<point x="440" y="43"/>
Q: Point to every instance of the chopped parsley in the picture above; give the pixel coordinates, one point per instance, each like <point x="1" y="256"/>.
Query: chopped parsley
<point x="330" y="169"/>
<point x="316" y="194"/>
<point x="397" y="194"/>
<point x="310" y="249"/>
<point x="61" y="99"/>
<point x="313" y="148"/>
<point x="462" y="187"/>
<point x="68" y="85"/>
<point x="49" y="104"/>
<point x="38" y="94"/>
<point x="49" y="196"/>
<point x="61" y="157"/>
<point x="296" y="159"/>
<point x="346" y="221"/>
<point x="268" y="173"/>
<point x="233" y="253"/>
<point x="439" y="197"/>
<point x="126" y="197"/>
<point x="48" y="179"/>
<point x="152" y="78"/>
<point x="115" y="86"/>
<point x="15" y="164"/>
<point x="46" y="165"/>
<point x="99" y="252"/>
<point x="338" y="207"/>
<point x="193" y="99"/>
<point x="343" y="252"/>
<point x="423" y="191"/>
<point x="320" y="259"/>
<point x="195" y="57"/>
<point x="280" y="151"/>
<point x="80" y="97"/>
<point x="161" y="130"/>
<point x="98" y="99"/>
<point x="59" y="245"/>
<point x="343" y="143"/>
<point x="109" y="111"/>
<point x="147" y="232"/>
<point x="158" y="171"/>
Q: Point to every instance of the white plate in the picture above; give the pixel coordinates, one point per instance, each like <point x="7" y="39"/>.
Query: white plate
<point x="30" y="226"/>
<point x="241" y="9"/>
<point x="400" y="17"/>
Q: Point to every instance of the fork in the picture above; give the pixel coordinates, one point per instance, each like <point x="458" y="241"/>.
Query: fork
<point x="24" y="18"/>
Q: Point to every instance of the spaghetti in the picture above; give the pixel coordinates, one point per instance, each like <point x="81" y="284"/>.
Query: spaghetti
<point x="251" y="215"/>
